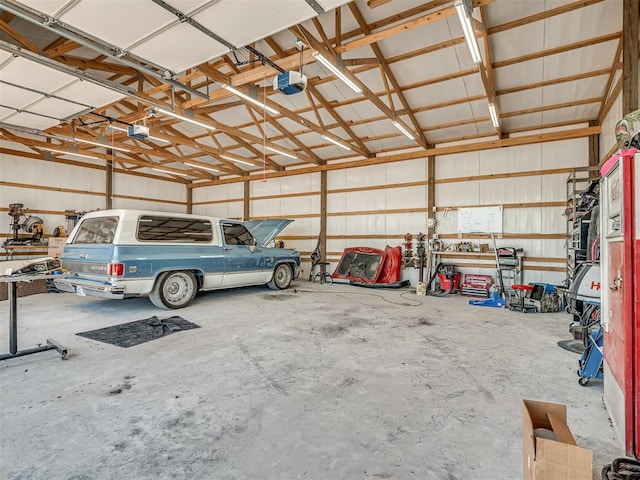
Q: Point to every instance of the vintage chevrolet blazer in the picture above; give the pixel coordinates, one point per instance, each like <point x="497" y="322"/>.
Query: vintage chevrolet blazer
<point x="169" y="257"/>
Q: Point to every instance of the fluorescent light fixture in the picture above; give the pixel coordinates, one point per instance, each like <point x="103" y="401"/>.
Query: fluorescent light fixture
<point x="201" y="167"/>
<point x="406" y="132"/>
<point x="169" y="171"/>
<point x="280" y="152"/>
<point x="337" y="72"/>
<point x="62" y="152"/>
<point x="467" y="28"/>
<point x="335" y="142"/>
<point x="98" y="144"/>
<point x="185" y="119"/>
<point x="494" y="115"/>
<point x="237" y="92"/>
<point x="149" y="137"/>
<point x="237" y="161"/>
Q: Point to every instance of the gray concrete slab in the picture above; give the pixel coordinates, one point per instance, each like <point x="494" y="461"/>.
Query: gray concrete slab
<point x="319" y="382"/>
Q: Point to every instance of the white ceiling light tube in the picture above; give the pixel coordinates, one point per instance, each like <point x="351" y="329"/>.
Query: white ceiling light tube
<point x="401" y="127"/>
<point x="169" y="171"/>
<point x="201" y="167"/>
<point x="237" y="161"/>
<point x="62" y="152"/>
<point x="280" y="152"/>
<point x="149" y="137"/>
<point x="335" y="142"/>
<point x="98" y="144"/>
<point x="467" y="28"/>
<point x="246" y="97"/>
<point x="185" y="119"/>
<point x="318" y="56"/>
<point x="494" y="115"/>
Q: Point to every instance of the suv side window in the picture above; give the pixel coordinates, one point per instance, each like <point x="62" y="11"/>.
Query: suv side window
<point x="153" y="228"/>
<point x="236" y="234"/>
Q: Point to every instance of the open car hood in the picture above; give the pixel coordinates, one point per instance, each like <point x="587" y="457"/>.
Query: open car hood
<point x="266" y="230"/>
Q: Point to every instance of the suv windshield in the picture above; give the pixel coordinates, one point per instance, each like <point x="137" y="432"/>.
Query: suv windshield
<point x="97" y="230"/>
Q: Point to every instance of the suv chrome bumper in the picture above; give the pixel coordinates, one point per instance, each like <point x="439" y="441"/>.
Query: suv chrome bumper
<point x="85" y="288"/>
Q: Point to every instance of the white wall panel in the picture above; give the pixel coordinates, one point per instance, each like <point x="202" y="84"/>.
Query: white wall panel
<point x="150" y="189"/>
<point x="222" y="210"/>
<point x="33" y="173"/>
<point x="513" y="159"/>
<point x="457" y="165"/>
<point x="608" y="134"/>
<point x="457" y="193"/>
<point x="232" y="191"/>
<point x="511" y="190"/>
<point x="568" y="153"/>
<point x="404" y="197"/>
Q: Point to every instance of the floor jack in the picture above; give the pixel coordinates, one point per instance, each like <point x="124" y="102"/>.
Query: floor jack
<point x="591" y="360"/>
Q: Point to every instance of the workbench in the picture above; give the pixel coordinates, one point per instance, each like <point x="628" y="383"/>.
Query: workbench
<point x="485" y="260"/>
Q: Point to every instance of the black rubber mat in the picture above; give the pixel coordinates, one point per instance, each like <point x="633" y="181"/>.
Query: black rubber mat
<point x="575" y="346"/>
<point x="141" y="331"/>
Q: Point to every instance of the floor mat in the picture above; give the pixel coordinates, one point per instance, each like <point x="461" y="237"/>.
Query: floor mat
<point x="141" y="331"/>
<point x="575" y="346"/>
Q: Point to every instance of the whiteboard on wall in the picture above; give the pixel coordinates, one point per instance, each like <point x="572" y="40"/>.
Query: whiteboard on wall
<point x="480" y="220"/>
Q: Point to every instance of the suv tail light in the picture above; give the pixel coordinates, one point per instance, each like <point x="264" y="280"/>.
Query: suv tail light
<point x="115" y="269"/>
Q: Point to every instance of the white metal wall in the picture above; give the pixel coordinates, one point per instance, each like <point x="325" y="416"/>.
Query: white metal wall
<point x="608" y="133"/>
<point x="388" y="212"/>
<point x="228" y="200"/>
<point x="47" y="189"/>
<point x="130" y="191"/>
<point x="518" y="221"/>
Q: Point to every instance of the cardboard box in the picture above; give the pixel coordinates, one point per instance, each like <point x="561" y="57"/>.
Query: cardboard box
<point x="546" y="459"/>
<point x="56" y="246"/>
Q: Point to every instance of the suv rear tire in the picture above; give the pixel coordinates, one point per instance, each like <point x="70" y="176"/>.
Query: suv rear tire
<point x="174" y="289"/>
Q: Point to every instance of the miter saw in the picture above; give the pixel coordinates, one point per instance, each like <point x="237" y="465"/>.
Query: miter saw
<point x="27" y="223"/>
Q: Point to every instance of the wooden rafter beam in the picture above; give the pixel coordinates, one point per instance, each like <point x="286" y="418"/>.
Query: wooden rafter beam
<point x="541" y="16"/>
<point x="252" y="76"/>
<point x="354" y="62"/>
<point x="561" y="49"/>
<point x="554" y="81"/>
<point x="607" y="89"/>
<point x="312" y="90"/>
<point x="403" y="27"/>
<point x="292" y="138"/>
<point x="368" y="94"/>
<point x="61" y="47"/>
<point x="449" y="150"/>
<point x="376" y="3"/>
<point x="422" y="140"/>
<point x="218" y="77"/>
<point x="84" y="64"/>
<point x="18" y="37"/>
<point x="557" y="106"/>
<point x="486" y="72"/>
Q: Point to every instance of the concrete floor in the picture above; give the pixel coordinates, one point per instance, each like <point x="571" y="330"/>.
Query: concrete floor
<point x="318" y="382"/>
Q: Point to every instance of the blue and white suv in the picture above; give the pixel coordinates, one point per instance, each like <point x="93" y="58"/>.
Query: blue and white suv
<point x="169" y="257"/>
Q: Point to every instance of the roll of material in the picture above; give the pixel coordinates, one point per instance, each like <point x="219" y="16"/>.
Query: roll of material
<point x="421" y="289"/>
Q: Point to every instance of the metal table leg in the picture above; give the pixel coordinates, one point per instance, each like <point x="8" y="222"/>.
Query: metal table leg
<point x="12" y="291"/>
